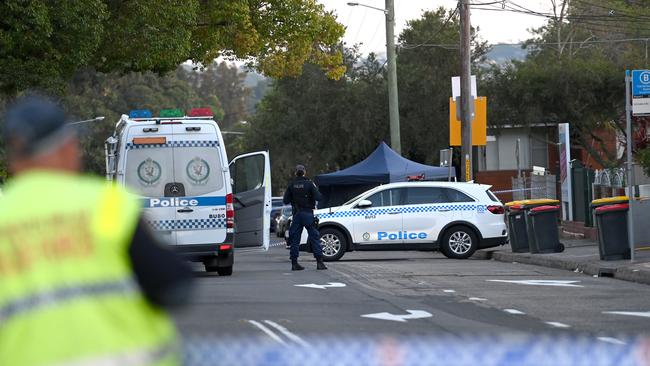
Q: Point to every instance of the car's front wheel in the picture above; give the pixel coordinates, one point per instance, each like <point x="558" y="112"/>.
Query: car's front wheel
<point x="459" y="242"/>
<point x="333" y="242"/>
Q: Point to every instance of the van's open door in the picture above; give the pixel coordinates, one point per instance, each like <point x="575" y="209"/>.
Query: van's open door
<point x="251" y="188"/>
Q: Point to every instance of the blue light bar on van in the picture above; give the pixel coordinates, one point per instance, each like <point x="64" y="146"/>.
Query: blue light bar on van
<point x="140" y="113"/>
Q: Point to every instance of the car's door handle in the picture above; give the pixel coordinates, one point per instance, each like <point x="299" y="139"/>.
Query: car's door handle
<point x="395" y="212"/>
<point x="185" y="210"/>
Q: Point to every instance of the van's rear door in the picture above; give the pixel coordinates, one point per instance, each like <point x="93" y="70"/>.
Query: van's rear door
<point x="147" y="171"/>
<point x="199" y="168"/>
<point x="251" y="188"/>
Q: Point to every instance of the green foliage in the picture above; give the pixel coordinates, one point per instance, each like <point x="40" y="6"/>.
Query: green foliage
<point x="43" y="43"/>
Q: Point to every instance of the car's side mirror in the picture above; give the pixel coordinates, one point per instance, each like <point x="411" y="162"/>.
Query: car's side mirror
<point x="364" y="204"/>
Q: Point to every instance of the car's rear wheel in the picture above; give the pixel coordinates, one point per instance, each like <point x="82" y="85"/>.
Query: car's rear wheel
<point x="224" y="271"/>
<point x="459" y="242"/>
<point x="334" y="243"/>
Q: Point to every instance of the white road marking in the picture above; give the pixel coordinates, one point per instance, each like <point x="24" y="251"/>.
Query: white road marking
<point x="611" y="340"/>
<point x="449" y="291"/>
<point x="644" y="314"/>
<point x="287" y="333"/>
<point x="413" y="314"/>
<point x="322" y="287"/>
<point x="268" y="332"/>
<point x="514" y="311"/>
<point x="555" y="283"/>
<point x="558" y="325"/>
<point x="477" y="299"/>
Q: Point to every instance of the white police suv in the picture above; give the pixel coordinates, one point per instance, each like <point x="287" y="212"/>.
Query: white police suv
<point x="455" y="218"/>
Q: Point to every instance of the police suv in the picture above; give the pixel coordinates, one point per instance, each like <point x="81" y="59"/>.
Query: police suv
<point x="197" y="201"/>
<point x="455" y="218"/>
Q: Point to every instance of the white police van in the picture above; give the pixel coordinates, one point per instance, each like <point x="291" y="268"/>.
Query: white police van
<point x="455" y="218"/>
<point x="193" y="198"/>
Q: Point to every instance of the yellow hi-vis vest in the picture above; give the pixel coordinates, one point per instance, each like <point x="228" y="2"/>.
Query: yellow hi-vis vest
<point x="68" y="295"/>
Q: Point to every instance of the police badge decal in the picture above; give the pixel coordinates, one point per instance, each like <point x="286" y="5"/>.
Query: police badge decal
<point x="149" y="172"/>
<point x="198" y="171"/>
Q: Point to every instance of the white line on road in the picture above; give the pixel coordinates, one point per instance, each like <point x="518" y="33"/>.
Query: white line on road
<point x="558" y="325"/>
<point x="448" y="291"/>
<point x="477" y="299"/>
<point x="322" y="287"/>
<point x="287" y="333"/>
<point x="268" y="332"/>
<point x="643" y="314"/>
<point x="514" y="311"/>
<point x="555" y="283"/>
<point x="611" y="340"/>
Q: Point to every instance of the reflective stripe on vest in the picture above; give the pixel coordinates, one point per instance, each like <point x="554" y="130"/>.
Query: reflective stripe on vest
<point x="57" y="296"/>
<point x="134" y="358"/>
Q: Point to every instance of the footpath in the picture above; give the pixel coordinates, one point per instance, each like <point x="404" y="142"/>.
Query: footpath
<point x="580" y="256"/>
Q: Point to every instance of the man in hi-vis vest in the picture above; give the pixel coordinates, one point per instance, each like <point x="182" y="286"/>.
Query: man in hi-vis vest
<point x="82" y="281"/>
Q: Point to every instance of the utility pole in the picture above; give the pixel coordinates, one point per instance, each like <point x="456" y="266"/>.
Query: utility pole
<point x="393" y="105"/>
<point x="466" y="98"/>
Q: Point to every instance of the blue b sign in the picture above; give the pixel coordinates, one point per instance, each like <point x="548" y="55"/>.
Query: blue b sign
<point x="640" y="82"/>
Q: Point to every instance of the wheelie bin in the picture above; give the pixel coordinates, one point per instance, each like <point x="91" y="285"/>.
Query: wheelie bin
<point x="543" y="230"/>
<point x="517" y="234"/>
<point x="611" y="221"/>
<point x="528" y="205"/>
<point x="604" y="202"/>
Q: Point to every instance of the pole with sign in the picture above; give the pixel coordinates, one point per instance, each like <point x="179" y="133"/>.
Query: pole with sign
<point x="565" y="171"/>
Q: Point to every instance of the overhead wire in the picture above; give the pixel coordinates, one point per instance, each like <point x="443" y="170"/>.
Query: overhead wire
<point x="436" y="33"/>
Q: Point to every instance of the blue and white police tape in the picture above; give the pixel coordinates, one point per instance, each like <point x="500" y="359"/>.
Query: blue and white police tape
<point x="485" y="350"/>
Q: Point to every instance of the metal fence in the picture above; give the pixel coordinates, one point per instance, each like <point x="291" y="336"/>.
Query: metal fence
<point x="609" y="183"/>
<point x="534" y="186"/>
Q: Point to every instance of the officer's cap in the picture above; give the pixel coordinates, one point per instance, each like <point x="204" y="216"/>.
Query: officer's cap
<point x="300" y="168"/>
<point x="33" y="124"/>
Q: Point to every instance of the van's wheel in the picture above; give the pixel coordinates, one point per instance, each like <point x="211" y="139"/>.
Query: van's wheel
<point x="224" y="271"/>
<point x="333" y="242"/>
<point x="459" y="242"/>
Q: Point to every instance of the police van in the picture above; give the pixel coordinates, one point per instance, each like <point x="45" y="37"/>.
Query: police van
<point x="195" y="199"/>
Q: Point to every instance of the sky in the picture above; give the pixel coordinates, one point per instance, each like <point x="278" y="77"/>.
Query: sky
<point x="368" y="26"/>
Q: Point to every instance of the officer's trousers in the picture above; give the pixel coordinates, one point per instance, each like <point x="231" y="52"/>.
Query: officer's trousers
<point x="300" y="220"/>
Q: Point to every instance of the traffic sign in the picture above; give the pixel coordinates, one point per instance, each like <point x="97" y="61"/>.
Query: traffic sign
<point x="479" y="123"/>
<point x="640" y="83"/>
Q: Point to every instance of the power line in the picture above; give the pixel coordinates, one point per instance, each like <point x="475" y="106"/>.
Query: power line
<point x="437" y="32"/>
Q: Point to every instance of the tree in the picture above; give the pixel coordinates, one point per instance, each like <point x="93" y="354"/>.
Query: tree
<point x="43" y="43"/>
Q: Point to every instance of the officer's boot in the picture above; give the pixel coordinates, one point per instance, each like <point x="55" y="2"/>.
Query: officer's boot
<point x="295" y="266"/>
<point x="320" y="264"/>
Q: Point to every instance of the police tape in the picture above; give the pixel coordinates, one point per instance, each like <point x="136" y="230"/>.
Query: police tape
<point x="486" y="350"/>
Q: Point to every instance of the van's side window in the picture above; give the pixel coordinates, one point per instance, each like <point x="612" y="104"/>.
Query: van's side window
<point x="248" y="173"/>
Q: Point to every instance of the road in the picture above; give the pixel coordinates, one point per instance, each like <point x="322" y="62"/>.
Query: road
<point x="371" y="294"/>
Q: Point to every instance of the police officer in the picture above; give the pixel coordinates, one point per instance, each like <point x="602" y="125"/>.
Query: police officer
<point x="302" y="194"/>
<point x="82" y="280"/>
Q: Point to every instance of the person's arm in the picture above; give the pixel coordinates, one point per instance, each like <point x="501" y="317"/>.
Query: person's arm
<point x="287" y="196"/>
<point x="163" y="277"/>
<point x="315" y="192"/>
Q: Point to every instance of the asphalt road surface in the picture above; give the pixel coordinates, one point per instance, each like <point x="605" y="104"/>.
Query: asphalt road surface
<point x="408" y="293"/>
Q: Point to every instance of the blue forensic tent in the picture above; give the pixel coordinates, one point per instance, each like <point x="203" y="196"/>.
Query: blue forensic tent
<point x="383" y="166"/>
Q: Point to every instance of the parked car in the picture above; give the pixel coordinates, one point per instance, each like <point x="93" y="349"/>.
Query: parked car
<point x="283" y="221"/>
<point x="276" y="206"/>
<point x="455" y="218"/>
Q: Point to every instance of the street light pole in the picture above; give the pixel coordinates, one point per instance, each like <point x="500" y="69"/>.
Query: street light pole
<point x="466" y="98"/>
<point x="393" y="105"/>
